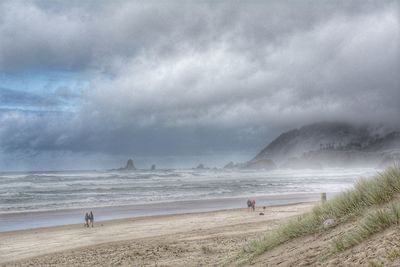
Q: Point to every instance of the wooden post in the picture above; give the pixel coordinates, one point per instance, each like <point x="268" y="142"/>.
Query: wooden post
<point x="323" y="197"/>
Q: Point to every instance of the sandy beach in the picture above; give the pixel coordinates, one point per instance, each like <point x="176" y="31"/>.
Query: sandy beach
<point x="195" y="239"/>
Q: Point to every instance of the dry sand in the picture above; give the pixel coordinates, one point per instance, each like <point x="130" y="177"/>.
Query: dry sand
<point x="197" y="239"/>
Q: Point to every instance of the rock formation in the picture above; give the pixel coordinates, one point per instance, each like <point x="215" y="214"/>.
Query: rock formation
<point x="200" y="167"/>
<point x="130" y="166"/>
<point x="230" y="165"/>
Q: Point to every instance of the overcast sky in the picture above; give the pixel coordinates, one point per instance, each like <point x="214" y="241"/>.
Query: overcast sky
<point x="87" y="84"/>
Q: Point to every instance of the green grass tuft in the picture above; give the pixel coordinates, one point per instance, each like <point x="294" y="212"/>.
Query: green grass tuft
<point x="394" y="255"/>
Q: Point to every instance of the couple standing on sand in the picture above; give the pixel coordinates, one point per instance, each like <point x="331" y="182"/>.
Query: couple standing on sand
<point x="89" y="219"/>
<point x="251" y="204"/>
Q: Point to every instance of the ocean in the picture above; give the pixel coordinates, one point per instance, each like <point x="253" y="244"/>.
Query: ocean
<point x="156" y="192"/>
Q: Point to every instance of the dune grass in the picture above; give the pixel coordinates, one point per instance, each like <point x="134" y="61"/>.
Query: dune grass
<point x="374" y="222"/>
<point x="352" y="203"/>
<point x="394" y="254"/>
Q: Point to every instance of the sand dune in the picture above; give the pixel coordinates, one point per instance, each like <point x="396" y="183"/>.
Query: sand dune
<point x="314" y="250"/>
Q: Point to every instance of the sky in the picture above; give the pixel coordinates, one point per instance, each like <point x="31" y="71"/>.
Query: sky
<point x="89" y="84"/>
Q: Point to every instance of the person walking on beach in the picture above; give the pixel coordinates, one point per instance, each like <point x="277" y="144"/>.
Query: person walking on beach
<point x="91" y="218"/>
<point x="248" y="203"/>
<point x="87" y="219"/>
<point x="253" y="205"/>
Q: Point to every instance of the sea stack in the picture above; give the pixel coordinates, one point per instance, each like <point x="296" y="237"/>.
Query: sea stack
<point x="200" y="167"/>
<point x="230" y="165"/>
<point x="130" y="166"/>
<point x="153" y="167"/>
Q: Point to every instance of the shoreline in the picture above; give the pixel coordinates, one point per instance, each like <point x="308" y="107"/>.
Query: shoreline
<point x="39" y="219"/>
<point x="203" y="228"/>
<point x="149" y="217"/>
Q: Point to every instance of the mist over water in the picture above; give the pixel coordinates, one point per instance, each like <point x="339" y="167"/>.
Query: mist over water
<point x="39" y="191"/>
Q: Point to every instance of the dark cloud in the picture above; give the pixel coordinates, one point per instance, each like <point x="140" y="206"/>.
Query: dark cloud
<point x="189" y="78"/>
<point x="77" y="35"/>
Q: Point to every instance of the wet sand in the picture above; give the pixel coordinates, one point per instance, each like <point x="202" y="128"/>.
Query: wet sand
<point x="205" y="238"/>
<point x="35" y="219"/>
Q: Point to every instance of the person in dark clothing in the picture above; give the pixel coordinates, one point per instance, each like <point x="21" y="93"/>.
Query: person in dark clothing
<point x="248" y="203"/>
<point x="91" y="218"/>
<point x="87" y="219"/>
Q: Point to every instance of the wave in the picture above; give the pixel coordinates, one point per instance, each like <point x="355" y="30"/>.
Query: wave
<point x="57" y="190"/>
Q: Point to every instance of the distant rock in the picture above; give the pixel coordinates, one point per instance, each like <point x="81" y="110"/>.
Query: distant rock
<point x="230" y="165"/>
<point x="130" y="166"/>
<point x="153" y="167"/>
<point x="200" y="167"/>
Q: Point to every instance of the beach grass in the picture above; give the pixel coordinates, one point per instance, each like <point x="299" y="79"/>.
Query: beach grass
<point x="394" y="254"/>
<point x="374" y="222"/>
<point x="352" y="203"/>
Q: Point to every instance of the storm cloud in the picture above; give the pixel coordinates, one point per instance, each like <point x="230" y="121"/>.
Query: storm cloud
<point x="193" y="79"/>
